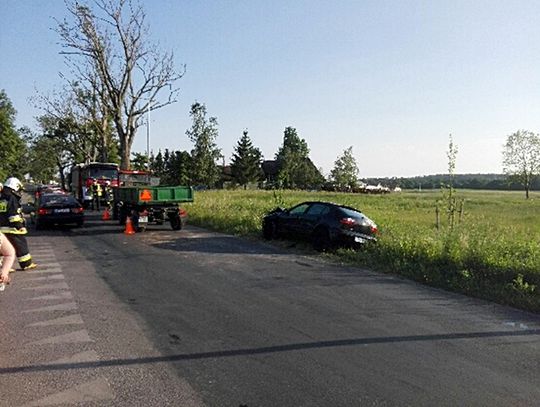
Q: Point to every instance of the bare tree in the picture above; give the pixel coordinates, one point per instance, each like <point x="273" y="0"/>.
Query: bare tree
<point x="107" y="48"/>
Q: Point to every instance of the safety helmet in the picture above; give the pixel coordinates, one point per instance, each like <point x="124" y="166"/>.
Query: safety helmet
<point x="13" y="183"/>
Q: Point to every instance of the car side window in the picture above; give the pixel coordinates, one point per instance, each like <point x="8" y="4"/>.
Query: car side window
<point x="298" y="210"/>
<point x="318" y="210"/>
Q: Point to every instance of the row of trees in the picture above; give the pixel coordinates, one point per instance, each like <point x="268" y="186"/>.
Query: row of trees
<point x="200" y="167"/>
<point x="59" y="145"/>
<point x="44" y="158"/>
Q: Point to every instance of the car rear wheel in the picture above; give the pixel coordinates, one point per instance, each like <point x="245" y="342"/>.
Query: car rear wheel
<point x="321" y="240"/>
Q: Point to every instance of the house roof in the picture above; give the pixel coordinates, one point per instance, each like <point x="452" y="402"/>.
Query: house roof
<point x="270" y="167"/>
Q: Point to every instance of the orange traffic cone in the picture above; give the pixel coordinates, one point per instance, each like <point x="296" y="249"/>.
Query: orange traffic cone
<point x="106" y="215"/>
<point x="129" y="227"/>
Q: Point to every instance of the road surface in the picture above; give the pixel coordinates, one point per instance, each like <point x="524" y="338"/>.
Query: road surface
<point x="195" y="318"/>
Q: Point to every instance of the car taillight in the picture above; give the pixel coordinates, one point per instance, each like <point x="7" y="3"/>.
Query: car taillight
<point x="182" y="212"/>
<point x="348" y="222"/>
<point x="43" y="211"/>
<point x="374" y="229"/>
<point x="77" y="210"/>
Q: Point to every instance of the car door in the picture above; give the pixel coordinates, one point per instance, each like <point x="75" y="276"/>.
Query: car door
<point x="290" y="222"/>
<point x="312" y="218"/>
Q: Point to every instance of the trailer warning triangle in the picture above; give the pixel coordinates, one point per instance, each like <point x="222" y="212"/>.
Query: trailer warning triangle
<point x="145" y="195"/>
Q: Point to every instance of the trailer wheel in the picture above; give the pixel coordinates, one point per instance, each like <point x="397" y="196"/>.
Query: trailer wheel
<point x="176" y="222"/>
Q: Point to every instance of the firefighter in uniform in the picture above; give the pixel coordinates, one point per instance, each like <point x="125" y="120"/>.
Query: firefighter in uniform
<point x="107" y="194"/>
<point x="97" y="192"/>
<point x="12" y="223"/>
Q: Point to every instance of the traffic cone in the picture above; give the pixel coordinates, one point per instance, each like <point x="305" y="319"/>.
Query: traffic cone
<point x="106" y="215"/>
<point x="129" y="227"/>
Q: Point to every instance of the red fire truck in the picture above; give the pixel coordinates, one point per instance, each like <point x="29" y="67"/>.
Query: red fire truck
<point x="83" y="175"/>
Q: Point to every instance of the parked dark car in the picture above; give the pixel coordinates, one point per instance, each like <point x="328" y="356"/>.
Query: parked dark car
<point x="47" y="189"/>
<point x="327" y="225"/>
<point x="57" y="208"/>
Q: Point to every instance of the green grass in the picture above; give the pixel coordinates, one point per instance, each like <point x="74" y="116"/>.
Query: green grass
<point x="493" y="253"/>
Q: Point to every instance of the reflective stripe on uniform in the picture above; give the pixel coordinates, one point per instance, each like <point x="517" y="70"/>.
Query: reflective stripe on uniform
<point x="13" y="231"/>
<point x="24" y="258"/>
<point x="15" y="218"/>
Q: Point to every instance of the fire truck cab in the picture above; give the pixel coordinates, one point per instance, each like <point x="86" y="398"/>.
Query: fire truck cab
<point x="83" y="176"/>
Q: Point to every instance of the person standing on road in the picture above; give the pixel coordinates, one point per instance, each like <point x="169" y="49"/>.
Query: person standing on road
<point x="107" y="194"/>
<point x="97" y="192"/>
<point x="12" y="222"/>
<point x="8" y="258"/>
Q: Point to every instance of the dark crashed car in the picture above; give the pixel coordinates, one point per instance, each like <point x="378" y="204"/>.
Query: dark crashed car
<point x="327" y="225"/>
<point x="59" y="209"/>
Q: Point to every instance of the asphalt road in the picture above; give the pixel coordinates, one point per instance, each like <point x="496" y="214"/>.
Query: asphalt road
<point x="199" y="318"/>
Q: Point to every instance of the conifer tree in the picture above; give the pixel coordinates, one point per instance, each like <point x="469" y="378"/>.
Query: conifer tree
<point x="246" y="161"/>
<point x="296" y="170"/>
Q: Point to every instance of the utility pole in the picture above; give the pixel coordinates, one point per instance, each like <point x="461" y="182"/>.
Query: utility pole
<point x="148" y="137"/>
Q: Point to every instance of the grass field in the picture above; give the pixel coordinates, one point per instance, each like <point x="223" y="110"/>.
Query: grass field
<point x="493" y="252"/>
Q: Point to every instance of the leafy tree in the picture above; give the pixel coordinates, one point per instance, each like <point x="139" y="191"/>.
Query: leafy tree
<point x="345" y="171"/>
<point x="172" y="167"/>
<point x="139" y="162"/>
<point x="112" y="60"/>
<point x="178" y="168"/>
<point x="521" y="158"/>
<point x="246" y="161"/>
<point x="13" y="148"/>
<point x="42" y="160"/>
<point x="296" y="170"/>
<point x="47" y="159"/>
<point x="157" y="164"/>
<point x="205" y="154"/>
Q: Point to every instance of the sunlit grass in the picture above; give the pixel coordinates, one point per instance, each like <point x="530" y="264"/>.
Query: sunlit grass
<point x="493" y="252"/>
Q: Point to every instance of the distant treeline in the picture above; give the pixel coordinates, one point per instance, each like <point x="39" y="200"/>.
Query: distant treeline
<point x="461" y="181"/>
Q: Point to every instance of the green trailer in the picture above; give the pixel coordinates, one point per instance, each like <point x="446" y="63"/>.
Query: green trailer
<point x="151" y="204"/>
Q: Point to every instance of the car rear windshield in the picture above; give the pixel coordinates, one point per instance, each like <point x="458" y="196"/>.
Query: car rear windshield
<point x="351" y="213"/>
<point x="58" y="200"/>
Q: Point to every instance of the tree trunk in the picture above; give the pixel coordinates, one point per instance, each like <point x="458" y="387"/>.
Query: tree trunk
<point x="62" y="176"/>
<point x="104" y="141"/>
<point x="125" y="162"/>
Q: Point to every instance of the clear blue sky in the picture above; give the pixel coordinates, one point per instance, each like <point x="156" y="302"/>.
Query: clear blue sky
<point x="391" y="78"/>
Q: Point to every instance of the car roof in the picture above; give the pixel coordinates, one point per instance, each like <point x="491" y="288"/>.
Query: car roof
<point x="336" y="205"/>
